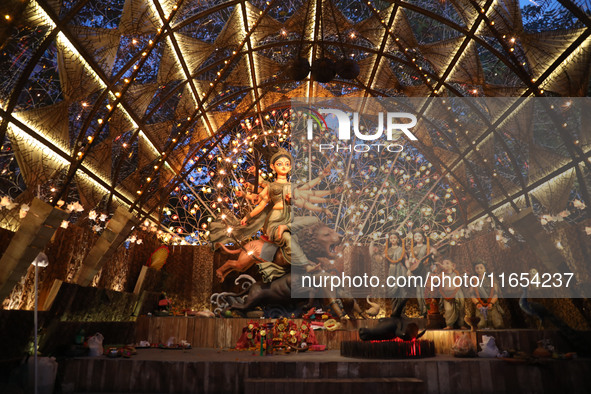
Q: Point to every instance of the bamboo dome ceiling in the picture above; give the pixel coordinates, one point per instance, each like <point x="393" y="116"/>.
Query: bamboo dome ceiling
<point x="132" y="102"/>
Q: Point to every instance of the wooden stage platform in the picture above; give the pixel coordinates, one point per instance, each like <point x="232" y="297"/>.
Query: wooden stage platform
<point x="223" y="333"/>
<point x="211" y="367"/>
<point x="201" y="370"/>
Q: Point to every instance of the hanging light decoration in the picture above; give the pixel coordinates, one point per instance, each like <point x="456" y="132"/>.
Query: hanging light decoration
<point x="323" y="70"/>
<point x="345" y="67"/>
<point x="299" y="69"/>
<point x="348" y="69"/>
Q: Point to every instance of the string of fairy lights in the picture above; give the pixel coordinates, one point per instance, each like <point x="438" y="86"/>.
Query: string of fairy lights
<point x="225" y="174"/>
<point x="414" y="193"/>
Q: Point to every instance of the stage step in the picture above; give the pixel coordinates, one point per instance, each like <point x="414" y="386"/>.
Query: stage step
<point x="342" y="386"/>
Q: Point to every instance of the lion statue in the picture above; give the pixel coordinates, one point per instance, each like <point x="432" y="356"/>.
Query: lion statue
<point x="317" y="240"/>
<point x="320" y="244"/>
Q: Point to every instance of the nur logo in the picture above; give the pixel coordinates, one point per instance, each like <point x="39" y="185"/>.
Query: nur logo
<point x="392" y="124"/>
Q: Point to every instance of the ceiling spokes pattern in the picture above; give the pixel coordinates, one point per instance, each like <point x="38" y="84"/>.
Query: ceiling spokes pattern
<point x="177" y="97"/>
<point x="20" y="46"/>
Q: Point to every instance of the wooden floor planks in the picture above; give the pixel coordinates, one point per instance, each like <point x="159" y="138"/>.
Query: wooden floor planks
<point x="215" y="371"/>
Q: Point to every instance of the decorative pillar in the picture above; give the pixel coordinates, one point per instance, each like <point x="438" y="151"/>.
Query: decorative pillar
<point x="117" y="230"/>
<point x="35" y="231"/>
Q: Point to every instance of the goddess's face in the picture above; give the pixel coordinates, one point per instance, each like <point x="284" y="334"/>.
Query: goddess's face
<point x="418" y="237"/>
<point x="282" y="166"/>
<point x="448" y="266"/>
<point x="480" y="269"/>
<point x="394" y="239"/>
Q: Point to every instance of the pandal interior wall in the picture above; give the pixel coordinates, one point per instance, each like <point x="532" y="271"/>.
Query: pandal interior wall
<point x="187" y="277"/>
